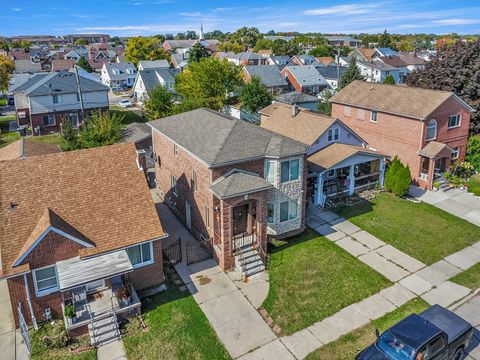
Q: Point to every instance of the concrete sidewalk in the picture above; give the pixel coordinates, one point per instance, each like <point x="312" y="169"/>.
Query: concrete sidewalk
<point x="457" y="202"/>
<point x="112" y="351"/>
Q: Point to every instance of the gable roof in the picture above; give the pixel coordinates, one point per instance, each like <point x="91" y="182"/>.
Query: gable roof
<point x="123" y="68"/>
<point x="412" y="59"/>
<point x="237" y="183"/>
<point x="385" y="51"/>
<point x="269" y="74"/>
<point x="218" y="139"/>
<point x="246" y="55"/>
<point x="62" y="64"/>
<point x="335" y="153"/>
<point x="26" y="147"/>
<point x="109" y="205"/>
<point x="151" y="77"/>
<point x="394" y="61"/>
<point x="306" y="127"/>
<point x="367" y="53"/>
<point x="295" y="97"/>
<point x="433" y="148"/>
<point x="401" y="100"/>
<point x="330" y="72"/>
<point x="22" y="66"/>
<point x="306" y="75"/>
<point x="153" y="64"/>
<point x="325" y="60"/>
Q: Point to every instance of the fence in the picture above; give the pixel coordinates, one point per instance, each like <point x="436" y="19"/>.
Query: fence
<point x="173" y="252"/>
<point x="23" y="328"/>
<point x="199" y="251"/>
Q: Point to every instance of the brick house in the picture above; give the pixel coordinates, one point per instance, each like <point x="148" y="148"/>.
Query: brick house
<point x="45" y="100"/>
<point x="305" y="79"/>
<point x="426" y="129"/>
<point x="229" y="181"/>
<point x="76" y="237"/>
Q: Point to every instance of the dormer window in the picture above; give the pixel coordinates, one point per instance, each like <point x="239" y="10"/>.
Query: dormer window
<point x="431" y="130"/>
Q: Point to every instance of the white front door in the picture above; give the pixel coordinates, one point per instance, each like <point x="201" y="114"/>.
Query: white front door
<point x="188" y="215"/>
<point x="95" y="285"/>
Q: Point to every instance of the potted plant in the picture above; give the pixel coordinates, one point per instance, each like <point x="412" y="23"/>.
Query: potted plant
<point x="70" y="313"/>
<point x="123" y="296"/>
<point x="436" y="186"/>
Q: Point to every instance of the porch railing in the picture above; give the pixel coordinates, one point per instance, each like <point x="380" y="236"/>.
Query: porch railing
<point x="242" y="241"/>
<point x="92" y="323"/>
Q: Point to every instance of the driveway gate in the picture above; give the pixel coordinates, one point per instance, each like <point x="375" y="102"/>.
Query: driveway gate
<point x="23" y="328"/>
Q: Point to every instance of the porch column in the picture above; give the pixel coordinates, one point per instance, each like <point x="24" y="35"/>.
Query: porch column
<point x="351" y="178"/>
<point x="382" y="172"/>
<point x="226" y="259"/>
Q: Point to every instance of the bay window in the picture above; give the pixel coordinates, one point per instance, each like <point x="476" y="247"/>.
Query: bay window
<point x="45" y="280"/>
<point x="270" y="171"/>
<point x="140" y="255"/>
<point x="288" y="210"/>
<point x="289" y="170"/>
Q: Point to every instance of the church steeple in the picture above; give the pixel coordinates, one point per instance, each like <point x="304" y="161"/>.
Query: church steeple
<point x="200" y="36"/>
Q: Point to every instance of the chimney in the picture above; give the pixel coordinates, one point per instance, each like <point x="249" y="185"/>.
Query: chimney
<point x="294" y="110"/>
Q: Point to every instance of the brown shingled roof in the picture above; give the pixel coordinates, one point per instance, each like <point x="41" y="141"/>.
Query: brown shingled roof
<point x="96" y="194"/>
<point x="394" y="61"/>
<point x="26" y="147"/>
<point x="402" y="100"/>
<point x="433" y="148"/>
<point x="335" y="153"/>
<point x="366" y="52"/>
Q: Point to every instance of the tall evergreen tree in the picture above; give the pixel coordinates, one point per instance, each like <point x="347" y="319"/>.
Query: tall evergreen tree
<point x="83" y="63"/>
<point x="197" y="52"/>
<point x="389" y="80"/>
<point x="353" y="73"/>
<point x="455" y="68"/>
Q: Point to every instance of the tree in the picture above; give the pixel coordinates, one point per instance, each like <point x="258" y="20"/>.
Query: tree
<point x="455" y="68"/>
<point x="385" y="41"/>
<point x="473" y="152"/>
<point x="197" y="52"/>
<point x="7" y="67"/>
<point x="81" y="42"/>
<point x="116" y="41"/>
<point x="159" y="103"/>
<point x="325" y="106"/>
<point x="144" y="48"/>
<point x="403" y="178"/>
<point x="406" y="46"/>
<point x="389" y="80"/>
<point x="100" y="129"/>
<point x="321" y="51"/>
<point x="180" y="36"/>
<point x="255" y="95"/>
<point x="84" y="64"/>
<point x="391" y="173"/>
<point x="70" y="135"/>
<point x="230" y="46"/>
<point x="246" y="36"/>
<point x="353" y="73"/>
<point x="208" y="82"/>
<point x="191" y="34"/>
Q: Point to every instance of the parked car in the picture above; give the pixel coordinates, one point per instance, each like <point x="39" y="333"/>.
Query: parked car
<point x="10" y="100"/>
<point x="435" y="334"/>
<point x="125" y="103"/>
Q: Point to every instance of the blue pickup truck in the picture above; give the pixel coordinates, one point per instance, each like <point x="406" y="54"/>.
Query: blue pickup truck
<point x="435" y="334"/>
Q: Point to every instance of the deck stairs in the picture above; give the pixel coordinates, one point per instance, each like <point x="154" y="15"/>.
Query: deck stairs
<point x="248" y="261"/>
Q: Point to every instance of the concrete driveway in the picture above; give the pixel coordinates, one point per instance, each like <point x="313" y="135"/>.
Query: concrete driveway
<point x="7" y="326"/>
<point x="454" y="201"/>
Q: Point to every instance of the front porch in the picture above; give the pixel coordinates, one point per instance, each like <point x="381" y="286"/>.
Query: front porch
<point x="435" y="159"/>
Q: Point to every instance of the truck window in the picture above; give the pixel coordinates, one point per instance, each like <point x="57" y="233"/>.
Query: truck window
<point x="422" y="354"/>
<point x="435" y="346"/>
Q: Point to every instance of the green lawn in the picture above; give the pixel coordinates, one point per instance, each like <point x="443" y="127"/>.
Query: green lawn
<point x="8" y="138"/>
<point x="311" y="278"/>
<point x="3" y="102"/>
<point x="474" y="185"/>
<point x="177" y="329"/>
<point x="419" y="229"/>
<point x="129" y="116"/>
<point x="469" y="278"/>
<point x="54" y="139"/>
<point x="349" y="345"/>
<point x="45" y="333"/>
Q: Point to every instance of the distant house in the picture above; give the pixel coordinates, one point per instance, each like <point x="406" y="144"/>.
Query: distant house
<point x="25" y="148"/>
<point x="59" y="65"/>
<point x="332" y="75"/>
<point x="304" y="59"/>
<point x="246" y="58"/>
<point x="47" y="99"/>
<point x="343" y="41"/>
<point x="269" y="74"/>
<point x="76" y="53"/>
<point x="279" y="60"/>
<point x="305" y="79"/>
<point x="382" y="52"/>
<point x="305" y="101"/>
<point x="153" y="64"/>
<point x="174" y="45"/>
<point x="147" y="80"/>
<point x="426" y="129"/>
<point x="338" y="161"/>
<point x="326" y="61"/>
<point x="363" y="54"/>
<point x="376" y="71"/>
<point x="413" y="62"/>
<point x="343" y="61"/>
<point x="27" y="66"/>
<point x="180" y="60"/>
<point x="118" y="76"/>
<point x="265" y="53"/>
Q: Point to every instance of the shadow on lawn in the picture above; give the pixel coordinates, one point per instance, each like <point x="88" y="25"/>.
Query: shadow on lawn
<point x="360" y="208"/>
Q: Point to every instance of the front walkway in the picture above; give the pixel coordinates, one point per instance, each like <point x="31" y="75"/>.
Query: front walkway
<point x="112" y="351"/>
<point x="454" y="201"/>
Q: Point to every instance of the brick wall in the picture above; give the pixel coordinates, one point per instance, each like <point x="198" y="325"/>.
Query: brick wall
<point x="291" y="79"/>
<point x="150" y="275"/>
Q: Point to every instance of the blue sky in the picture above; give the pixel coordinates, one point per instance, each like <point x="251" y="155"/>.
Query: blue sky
<point x="146" y="17"/>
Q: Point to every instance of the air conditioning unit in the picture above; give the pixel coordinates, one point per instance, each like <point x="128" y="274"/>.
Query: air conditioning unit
<point x="47" y="313"/>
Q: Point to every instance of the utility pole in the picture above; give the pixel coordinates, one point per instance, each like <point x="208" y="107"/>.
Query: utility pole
<point x="79" y="90"/>
<point x="338" y="64"/>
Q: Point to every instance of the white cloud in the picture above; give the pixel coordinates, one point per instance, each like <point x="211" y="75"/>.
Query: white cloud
<point x="346" y="9"/>
<point x="16" y="9"/>
<point x="456" y="21"/>
<point x="191" y="14"/>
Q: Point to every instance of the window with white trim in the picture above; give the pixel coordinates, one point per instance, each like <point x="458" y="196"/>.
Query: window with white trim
<point x="140" y="255"/>
<point x="45" y="280"/>
<point x="57" y="99"/>
<point x="431" y="130"/>
<point x="270" y="212"/>
<point x="48" y="120"/>
<point x="288" y="210"/>
<point x="289" y="170"/>
<point x="173" y="185"/>
<point x="454" y="121"/>
<point x="333" y="134"/>
<point x="373" y="116"/>
<point x="456" y="153"/>
<point x="270" y="172"/>
<point x="331" y="173"/>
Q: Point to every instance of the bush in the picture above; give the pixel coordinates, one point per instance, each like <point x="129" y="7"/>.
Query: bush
<point x="69" y="311"/>
<point x="390" y="174"/>
<point x="54" y="335"/>
<point x="402" y="181"/>
<point x="473" y="185"/>
<point x="473" y="152"/>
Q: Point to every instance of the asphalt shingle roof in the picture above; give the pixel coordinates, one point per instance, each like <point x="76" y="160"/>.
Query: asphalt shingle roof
<point x="218" y="139"/>
<point x="153" y="64"/>
<point x="270" y="74"/>
<point x="296" y="97"/>
<point x="238" y="183"/>
<point x="151" y="77"/>
<point x="330" y="72"/>
<point x="123" y="68"/>
<point x="307" y="75"/>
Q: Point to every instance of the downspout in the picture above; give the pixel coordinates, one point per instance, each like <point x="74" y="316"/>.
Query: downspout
<point x="29" y="301"/>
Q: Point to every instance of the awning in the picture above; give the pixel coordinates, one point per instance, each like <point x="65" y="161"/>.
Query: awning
<point x="434" y="149"/>
<point x="237" y="184"/>
<point x="75" y="272"/>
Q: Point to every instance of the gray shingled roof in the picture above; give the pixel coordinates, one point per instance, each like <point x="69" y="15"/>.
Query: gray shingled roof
<point x="153" y="64"/>
<point x="136" y="132"/>
<point x="296" y="97"/>
<point x="269" y="74"/>
<point x="62" y="82"/>
<point x="238" y="183"/>
<point x="122" y="67"/>
<point x="330" y="72"/>
<point x="218" y="139"/>
<point x="151" y="77"/>
<point x="307" y="75"/>
<point x="246" y="55"/>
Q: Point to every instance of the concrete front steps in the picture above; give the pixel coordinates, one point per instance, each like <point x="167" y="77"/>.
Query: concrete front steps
<point x="104" y="330"/>
<point x="252" y="262"/>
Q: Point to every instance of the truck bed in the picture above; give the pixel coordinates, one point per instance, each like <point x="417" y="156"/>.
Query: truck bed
<point x="452" y="324"/>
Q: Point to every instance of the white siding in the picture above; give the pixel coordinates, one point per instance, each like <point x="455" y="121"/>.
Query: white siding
<point x="91" y="100"/>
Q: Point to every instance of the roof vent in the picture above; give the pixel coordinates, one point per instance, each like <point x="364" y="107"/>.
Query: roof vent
<point x="294" y="110"/>
<point x="12" y="206"/>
